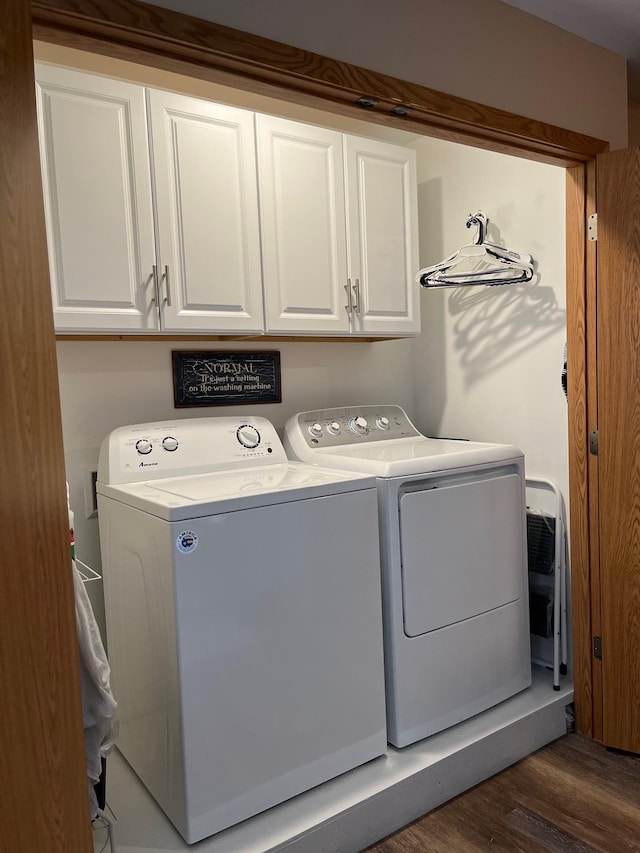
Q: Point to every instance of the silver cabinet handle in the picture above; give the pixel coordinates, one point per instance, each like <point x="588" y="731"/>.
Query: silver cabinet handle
<point x="349" y="306"/>
<point x="356" y="294"/>
<point x="165" y="277"/>
<point x="155" y="299"/>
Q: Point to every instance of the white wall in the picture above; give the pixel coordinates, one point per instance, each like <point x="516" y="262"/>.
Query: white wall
<point x="483" y="50"/>
<point x="106" y="384"/>
<point x="488" y="362"/>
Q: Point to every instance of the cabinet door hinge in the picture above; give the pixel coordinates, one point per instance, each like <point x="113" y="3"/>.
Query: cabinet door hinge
<point x="597" y="648"/>
<point x="593" y="442"/>
<point x="592" y="227"/>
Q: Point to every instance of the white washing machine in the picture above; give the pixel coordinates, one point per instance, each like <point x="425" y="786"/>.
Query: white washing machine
<point x="453" y="554"/>
<point x="243" y="617"/>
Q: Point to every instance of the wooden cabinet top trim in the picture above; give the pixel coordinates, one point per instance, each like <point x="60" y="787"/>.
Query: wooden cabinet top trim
<point x="172" y="41"/>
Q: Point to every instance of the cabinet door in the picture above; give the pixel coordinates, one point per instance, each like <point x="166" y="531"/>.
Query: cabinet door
<point x="97" y="194"/>
<point x="207" y="214"/>
<point x="303" y="227"/>
<point x="382" y="215"/>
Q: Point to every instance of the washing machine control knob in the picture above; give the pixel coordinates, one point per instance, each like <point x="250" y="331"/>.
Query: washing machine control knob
<point x="170" y="443"/>
<point x="358" y="425"/>
<point x="334" y="428"/>
<point x="315" y="430"/>
<point x="144" y="446"/>
<point x="382" y="422"/>
<point x="248" y="436"/>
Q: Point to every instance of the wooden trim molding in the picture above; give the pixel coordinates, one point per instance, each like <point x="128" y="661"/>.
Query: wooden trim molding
<point x="593" y="505"/>
<point x="583" y="468"/>
<point x="580" y="353"/>
<point x="44" y="801"/>
<point x="172" y="41"/>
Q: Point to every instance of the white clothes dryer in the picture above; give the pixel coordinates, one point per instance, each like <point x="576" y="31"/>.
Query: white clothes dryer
<point x="243" y="617"/>
<point x="453" y="556"/>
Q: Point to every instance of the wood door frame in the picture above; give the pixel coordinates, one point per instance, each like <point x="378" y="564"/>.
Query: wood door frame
<point x="173" y="41"/>
<point x="44" y="803"/>
<point x="583" y="468"/>
<point x="125" y="29"/>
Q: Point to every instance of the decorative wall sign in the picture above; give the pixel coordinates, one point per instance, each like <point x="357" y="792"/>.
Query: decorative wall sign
<point x="225" y="378"/>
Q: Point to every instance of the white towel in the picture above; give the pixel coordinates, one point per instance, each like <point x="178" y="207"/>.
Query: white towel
<point x="98" y="705"/>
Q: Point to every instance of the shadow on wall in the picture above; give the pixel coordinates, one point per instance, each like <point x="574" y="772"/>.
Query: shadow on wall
<point x="492" y="326"/>
<point x="470" y="333"/>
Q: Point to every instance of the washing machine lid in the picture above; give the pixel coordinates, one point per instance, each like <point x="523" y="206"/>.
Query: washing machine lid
<point x="406" y="456"/>
<point x="182" y="498"/>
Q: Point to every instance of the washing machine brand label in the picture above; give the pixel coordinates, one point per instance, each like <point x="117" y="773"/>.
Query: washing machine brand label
<point x="147" y="465"/>
<point x="187" y="542"/>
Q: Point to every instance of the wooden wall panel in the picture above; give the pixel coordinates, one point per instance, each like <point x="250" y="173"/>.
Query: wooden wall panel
<point x="43" y="799"/>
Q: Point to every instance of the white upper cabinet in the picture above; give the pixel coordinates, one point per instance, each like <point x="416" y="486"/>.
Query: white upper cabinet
<point x="167" y="213"/>
<point x="316" y="186"/>
<point x="97" y="194"/>
<point x="207" y="214"/>
<point x="383" y="236"/>
<point x="303" y="227"/>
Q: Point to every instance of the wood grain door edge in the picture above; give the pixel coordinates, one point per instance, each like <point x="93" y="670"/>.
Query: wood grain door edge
<point x="591" y="286"/>
<point x="582" y="411"/>
<point x="44" y="804"/>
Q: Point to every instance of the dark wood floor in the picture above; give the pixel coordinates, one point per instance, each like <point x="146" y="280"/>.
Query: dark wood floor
<point x="573" y="795"/>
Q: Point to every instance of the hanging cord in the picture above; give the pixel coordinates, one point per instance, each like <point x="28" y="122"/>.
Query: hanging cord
<point x="110" y="839"/>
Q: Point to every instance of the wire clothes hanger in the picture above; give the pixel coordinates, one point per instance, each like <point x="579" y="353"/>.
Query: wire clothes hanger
<point x="508" y="267"/>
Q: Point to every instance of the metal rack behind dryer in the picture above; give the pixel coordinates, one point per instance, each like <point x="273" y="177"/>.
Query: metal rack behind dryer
<point x="560" y="639"/>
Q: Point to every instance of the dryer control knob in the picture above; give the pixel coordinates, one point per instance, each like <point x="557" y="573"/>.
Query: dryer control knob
<point x="358" y="425"/>
<point x="144" y="446"/>
<point x="382" y="423"/>
<point x="316" y="430"/>
<point x="248" y="436"/>
<point x="170" y="443"/>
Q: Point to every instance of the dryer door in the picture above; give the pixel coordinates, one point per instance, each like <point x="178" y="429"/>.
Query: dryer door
<point x="462" y="549"/>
